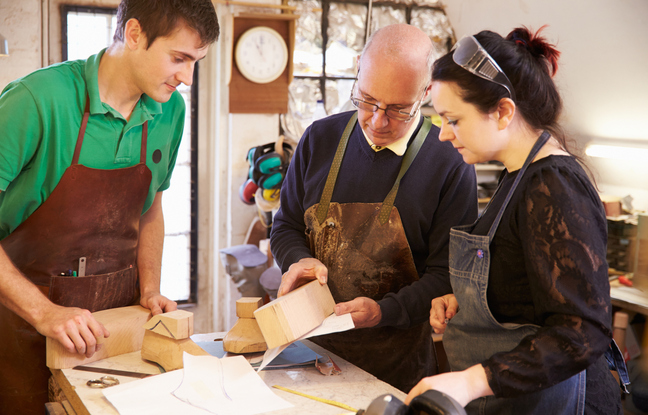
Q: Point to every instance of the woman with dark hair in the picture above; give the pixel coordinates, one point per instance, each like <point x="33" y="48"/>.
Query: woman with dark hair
<point x="527" y="329"/>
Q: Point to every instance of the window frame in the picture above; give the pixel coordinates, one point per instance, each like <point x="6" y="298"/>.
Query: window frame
<point x="193" y="232"/>
<point x="326" y="4"/>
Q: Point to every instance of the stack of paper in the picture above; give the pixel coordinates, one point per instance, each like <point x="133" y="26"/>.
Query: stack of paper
<point x="206" y="385"/>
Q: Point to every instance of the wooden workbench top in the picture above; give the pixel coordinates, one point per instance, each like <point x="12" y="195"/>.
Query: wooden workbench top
<point x="353" y="387"/>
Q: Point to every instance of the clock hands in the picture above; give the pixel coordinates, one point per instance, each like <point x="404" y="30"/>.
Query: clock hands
<point x="259" y="48"/>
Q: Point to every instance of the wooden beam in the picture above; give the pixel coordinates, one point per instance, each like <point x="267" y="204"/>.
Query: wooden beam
<point x="70" y="393"/>
<point x="251" y="4"/>
<point x="291" y="316"/>
<point x="126" y="334"/>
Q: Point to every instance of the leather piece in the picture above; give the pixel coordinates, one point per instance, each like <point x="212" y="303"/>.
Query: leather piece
<point x="367" y="259"/>
<point x="379" y="351"/>
<point x="91" y="213"/>
<point x="75" y="222"/>
<point x="96" y="292"/>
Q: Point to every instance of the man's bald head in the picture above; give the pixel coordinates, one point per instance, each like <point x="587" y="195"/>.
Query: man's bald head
<point x="404" y="47"/>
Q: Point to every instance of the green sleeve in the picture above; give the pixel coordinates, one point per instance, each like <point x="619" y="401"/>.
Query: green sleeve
<point x="21" y="131"/>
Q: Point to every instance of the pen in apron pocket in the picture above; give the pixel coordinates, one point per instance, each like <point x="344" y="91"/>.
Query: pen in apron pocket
<point x="82" y="266"/>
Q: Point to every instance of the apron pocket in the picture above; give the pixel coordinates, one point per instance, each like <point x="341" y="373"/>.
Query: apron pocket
<point x="96" y="292"/>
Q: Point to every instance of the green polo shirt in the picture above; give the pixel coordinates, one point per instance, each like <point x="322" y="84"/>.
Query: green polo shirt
<point x="40" y="117"/>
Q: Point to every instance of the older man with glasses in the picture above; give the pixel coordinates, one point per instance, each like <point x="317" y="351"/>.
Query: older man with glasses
<point x="367" y="205"/>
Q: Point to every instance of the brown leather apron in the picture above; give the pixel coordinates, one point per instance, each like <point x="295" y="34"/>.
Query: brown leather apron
<point x="91" y="213"/>
<point x="367" y="254"/>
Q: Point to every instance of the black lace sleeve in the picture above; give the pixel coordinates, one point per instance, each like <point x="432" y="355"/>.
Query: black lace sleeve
<point x="562" y="235"/>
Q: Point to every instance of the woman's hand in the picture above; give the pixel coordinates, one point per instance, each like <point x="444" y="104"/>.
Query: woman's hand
<point x="443" y="309"/>
<point x="463" y="386"/>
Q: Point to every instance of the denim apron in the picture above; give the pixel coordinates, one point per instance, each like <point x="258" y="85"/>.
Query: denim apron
<point x="366" y="252"/>
<point x="473" y="335"/>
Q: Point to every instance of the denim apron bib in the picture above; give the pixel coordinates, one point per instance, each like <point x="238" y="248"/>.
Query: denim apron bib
<point x="473" y="335"/>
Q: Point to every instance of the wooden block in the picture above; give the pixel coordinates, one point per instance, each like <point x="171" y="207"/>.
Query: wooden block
<point x="246" y="306"/>
<point x="167" y="352"/>
<point x="126" y="334"/>
<point x="54" y="408"/>
<point x="244" y="337"/>
<point x="176" y="324"/>
<point x="291" y="316"/>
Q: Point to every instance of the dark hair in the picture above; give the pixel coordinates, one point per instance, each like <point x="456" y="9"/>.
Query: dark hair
<point x="530" y="62"/>
<point x="160" y="18"/>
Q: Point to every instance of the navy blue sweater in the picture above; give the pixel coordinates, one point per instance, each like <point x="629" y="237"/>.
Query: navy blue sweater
<point x="438" y="191"/>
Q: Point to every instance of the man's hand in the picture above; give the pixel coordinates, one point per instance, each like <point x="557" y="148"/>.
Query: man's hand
<point x="76" y="329"/>
<point x="158" y="303"/>
<point x="365" y="312"/>
<point x="463" y="386"/>
<point x="443" y="309"/>
<point x="299" y="273"/>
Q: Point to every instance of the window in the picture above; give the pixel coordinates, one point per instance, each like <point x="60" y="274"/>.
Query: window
<point x="86" y="30"/>
<point x="331" y="34"/>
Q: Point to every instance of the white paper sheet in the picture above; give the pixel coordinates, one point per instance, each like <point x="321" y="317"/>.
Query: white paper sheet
<point x="331" y="324"/>
<point x="204" y="382"/>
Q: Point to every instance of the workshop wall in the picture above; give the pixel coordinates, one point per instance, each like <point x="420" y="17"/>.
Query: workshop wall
<point x="20" y="24"/>
<point x="601" y="76"/>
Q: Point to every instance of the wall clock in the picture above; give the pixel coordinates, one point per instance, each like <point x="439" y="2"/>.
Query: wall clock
<point x="261" y="67"/>
<point x="261" y="54"/>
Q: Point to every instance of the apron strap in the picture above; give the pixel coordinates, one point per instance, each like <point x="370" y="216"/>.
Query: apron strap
<point x="534" y="151"/>
<point x="325" y="201"/>
<point x="410" y="155"/>
<point x="144" y="138"/>
<point x="388" y="203"/>
<point x="84" y="124"/>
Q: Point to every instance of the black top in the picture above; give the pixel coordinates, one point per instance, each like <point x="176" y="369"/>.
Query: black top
<point x="438" y="191"/>
<point x="549" y="268"/>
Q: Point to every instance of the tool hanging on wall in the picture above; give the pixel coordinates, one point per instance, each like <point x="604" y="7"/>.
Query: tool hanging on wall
<point x="268" y="165"/>
<point x="269" y="162"/>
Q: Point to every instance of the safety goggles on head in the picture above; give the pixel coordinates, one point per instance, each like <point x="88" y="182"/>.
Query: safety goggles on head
<point x="471" y="56"/>
<point x="393" y="113"/>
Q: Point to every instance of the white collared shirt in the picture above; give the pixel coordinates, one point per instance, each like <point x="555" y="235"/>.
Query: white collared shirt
<point x="399" y="146"/>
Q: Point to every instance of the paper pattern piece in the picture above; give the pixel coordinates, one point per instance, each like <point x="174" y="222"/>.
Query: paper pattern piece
<point x="332" y="324"/>
<point x="206" y="385"/>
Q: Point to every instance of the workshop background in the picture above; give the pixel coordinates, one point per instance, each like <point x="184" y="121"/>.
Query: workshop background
<point x="602" y="76"/>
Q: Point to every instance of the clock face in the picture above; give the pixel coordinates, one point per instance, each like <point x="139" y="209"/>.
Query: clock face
<point x="261" y="54"/>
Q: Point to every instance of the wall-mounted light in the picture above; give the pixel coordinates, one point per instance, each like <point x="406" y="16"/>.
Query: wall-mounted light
<point x="4" y="46"/>
<point x="625" y="153"/>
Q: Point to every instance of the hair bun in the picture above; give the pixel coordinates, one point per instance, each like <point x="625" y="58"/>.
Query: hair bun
<point x="537" y="45"/>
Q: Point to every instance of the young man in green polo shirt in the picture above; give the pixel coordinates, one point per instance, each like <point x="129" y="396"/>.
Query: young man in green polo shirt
<point x="87" y="149"/>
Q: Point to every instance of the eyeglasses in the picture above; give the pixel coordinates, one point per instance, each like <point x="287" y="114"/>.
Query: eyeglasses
<point x="470" y="55"/>
<point x="393" y="113"/>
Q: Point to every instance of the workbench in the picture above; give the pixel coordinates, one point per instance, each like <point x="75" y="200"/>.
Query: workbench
<point x="353" y="386"/>
<point x="629" y="298"/>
